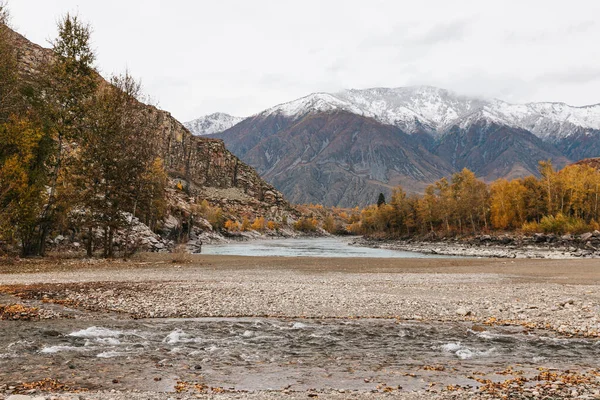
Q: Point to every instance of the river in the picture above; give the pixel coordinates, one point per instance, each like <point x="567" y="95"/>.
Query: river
<point x="306" y="247"/>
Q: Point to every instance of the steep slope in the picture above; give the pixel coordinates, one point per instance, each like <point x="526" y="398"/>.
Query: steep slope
<point x="198" y="162"/>
<point x="213" y="123"/>
<point x="493" y="150"/>
<point x="579" y="144"/>
<point x="333" y="157"/>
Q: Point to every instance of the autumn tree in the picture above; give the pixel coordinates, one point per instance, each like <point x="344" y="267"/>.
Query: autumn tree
<point x="508" y="204"/>
<point x="259" y="224"/>
<point x="9" y="85"/>
<point x="22" y="153"/>
<point x="120" y="175"/>
<point x="427" y="208"/>
<point x="470" y="197"/>
<point x="329" y="223"/>
<point x="64" y="89"/>
<point x="22" y="182"/>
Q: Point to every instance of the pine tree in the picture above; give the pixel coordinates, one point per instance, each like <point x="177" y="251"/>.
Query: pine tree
<point x="66" y="85"/>
<point x="380" y="200"/>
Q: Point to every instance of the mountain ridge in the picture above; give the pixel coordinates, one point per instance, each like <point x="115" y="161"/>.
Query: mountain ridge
<point x="414" y="108"/>
<point x="493" y="138"/>
<point x="212" y="123"/>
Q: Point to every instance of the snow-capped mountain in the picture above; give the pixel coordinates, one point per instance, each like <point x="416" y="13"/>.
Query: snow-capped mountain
<point x="345" y="148"/>
<point x="211" y="124"/>
<point x="432" y="109"/>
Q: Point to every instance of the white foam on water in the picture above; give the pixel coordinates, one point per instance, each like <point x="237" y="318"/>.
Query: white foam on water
<point x="179" y="336"/>
<point x="403" y="333"/>
<point x="59" y="348"/>
<point x="452" y="347"/>
<point x="174" y="337"/>
<point x="487" y="335"/>
<point x="463" y="352"/>
<point x="247" y="334"/>
<point x="96" y="332"/>
<point x="299" y="325"/>
<point x="111" y="354"/>
<point x="109" y="341"/>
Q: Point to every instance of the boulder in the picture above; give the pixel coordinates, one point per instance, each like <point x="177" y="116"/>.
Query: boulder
<point x="586" y="236"/>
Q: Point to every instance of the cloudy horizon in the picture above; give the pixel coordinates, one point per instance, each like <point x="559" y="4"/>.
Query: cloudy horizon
<point x="240" y="57"/>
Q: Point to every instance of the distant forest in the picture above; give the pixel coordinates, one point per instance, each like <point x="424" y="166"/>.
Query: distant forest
<point x="558" y="202"/>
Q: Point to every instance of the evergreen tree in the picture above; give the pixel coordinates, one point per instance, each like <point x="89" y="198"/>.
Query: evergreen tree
<point x="66" y="85"/>
<point x="380" y="200"/>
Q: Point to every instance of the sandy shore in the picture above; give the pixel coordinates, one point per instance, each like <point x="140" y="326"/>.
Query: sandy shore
<point x="561" y="296"/>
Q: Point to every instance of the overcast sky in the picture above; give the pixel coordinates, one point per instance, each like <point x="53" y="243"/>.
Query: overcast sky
<point x="242" y="56"/>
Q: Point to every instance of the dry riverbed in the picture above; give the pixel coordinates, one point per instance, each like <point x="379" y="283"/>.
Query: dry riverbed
<point x="559" y="297"/>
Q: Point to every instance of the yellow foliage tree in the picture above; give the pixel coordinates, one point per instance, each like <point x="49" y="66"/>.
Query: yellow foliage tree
<point x="232" y="226"/>
<point x="259" y="224"/>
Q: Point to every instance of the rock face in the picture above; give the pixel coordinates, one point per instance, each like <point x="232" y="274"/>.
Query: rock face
<point x="206" y="162"/>
<point x="199" y="162"/>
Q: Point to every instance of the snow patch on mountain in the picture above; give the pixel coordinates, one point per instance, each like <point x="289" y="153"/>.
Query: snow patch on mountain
<point x="424" y="108"/>
<point x="211" y="124"/>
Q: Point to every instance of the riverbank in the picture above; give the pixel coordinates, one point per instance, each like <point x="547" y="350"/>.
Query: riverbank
<point x="538" y="246"/>
<point x="560" y="297"/>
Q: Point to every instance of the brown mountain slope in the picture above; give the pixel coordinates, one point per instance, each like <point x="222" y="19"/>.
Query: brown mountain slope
<point x="334" y="158"/>
<point x="200" y="162"/>
<point x="592" y="162"/>
<point x="495" y="151"/>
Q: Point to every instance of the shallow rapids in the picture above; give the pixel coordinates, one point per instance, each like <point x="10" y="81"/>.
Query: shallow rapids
<point x="264" y="353"/>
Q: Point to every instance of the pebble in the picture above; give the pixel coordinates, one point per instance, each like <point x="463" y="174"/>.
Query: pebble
<point x="463" y="312"/>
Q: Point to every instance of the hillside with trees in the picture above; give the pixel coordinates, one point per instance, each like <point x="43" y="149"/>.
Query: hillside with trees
<point x="85" y="158"/>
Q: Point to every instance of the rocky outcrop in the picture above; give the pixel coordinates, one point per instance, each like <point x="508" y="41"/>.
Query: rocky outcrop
<point x="197" y="162"/>
<point x="205" y="162"/>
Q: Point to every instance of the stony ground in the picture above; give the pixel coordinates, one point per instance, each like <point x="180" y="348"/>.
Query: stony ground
<point x="558" y="295"/>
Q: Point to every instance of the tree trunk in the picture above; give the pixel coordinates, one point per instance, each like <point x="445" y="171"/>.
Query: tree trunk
<point x="90" y="242"/>
<point x="105" y="240"/>
<point x="110" y="242"/>
<point x="43" y="237"/>
<point x="45" y="217"/>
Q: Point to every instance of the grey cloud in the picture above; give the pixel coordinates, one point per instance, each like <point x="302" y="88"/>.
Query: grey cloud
<point x="442" y="33"/>
<point x="199" y="57"/>
<point x="571" y="75"/>
<point x="581" y="27"/>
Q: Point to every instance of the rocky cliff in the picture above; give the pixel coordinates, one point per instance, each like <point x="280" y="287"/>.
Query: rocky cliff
<point x="196" y="162"/>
